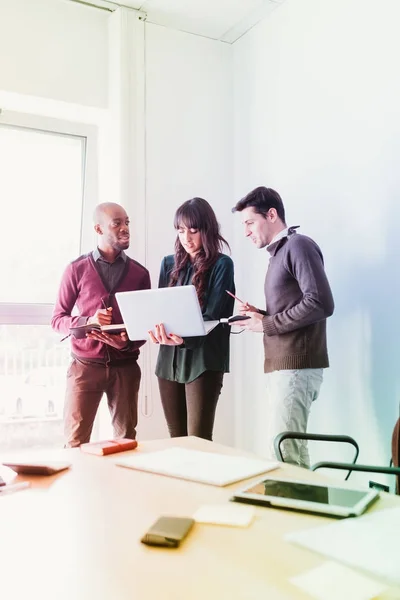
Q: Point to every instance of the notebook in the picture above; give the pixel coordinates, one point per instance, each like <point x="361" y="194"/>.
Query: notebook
<point x="109" y="446"/>
<point x="80" y="331"/>
<point x="194" y="465"/>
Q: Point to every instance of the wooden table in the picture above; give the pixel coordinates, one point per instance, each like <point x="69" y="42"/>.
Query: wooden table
<point x="76" y="536"/>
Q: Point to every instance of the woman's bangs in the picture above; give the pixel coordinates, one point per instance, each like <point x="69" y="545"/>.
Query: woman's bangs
<point x="187" y="218"/>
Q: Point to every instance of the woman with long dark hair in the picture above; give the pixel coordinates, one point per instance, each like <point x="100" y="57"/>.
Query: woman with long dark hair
<point x="190" y="371"/>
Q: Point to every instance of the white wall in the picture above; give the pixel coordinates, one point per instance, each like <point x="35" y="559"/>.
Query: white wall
<point x="54" y="63"/>
<point x="189" y="153"/>
<point x="316" y="99"/>
<point x="317" y="92"/>
<point x="54" y="50"/>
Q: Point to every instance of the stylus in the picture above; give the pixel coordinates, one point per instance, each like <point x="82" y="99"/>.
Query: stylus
<point x="236" y="298"/>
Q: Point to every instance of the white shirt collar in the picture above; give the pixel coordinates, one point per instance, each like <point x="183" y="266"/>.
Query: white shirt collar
<point x="279" y="236"/>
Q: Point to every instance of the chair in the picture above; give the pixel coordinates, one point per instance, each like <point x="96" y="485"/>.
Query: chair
<point x="365" y="468"/>
<point x="396" y="451"/>
<point x="321" y="437"/>
<point x="350" y="467"/>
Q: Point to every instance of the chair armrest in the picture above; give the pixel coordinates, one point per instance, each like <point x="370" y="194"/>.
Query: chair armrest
<point x="353" y="467"/>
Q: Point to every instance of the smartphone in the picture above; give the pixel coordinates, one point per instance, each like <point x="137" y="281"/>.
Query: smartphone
<point x="168" y="531"/>
<point x="235" y="318"/>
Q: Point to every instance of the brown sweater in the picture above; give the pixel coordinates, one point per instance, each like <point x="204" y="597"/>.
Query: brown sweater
<point x="298" y="301"/>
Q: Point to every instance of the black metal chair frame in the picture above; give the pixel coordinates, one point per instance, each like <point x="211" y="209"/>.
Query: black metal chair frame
<point x="325" y="464"/>
<point x="321" y="437"/>
<point x="352" y="467"/>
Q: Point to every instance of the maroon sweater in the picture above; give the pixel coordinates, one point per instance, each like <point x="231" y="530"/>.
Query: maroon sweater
<point x="81" y="285"/>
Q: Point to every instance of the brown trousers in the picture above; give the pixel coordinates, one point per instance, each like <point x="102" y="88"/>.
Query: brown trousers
<point x="189" y="408"/>
<point x="86" y="384"/>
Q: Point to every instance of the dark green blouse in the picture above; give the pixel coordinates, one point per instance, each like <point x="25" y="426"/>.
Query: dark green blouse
<point x="204" y="353"/>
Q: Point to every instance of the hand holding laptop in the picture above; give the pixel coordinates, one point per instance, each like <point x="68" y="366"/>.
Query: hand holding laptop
<point x="159" y="336"/>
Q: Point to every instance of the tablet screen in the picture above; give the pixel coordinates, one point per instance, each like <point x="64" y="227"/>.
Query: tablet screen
<point x="321" y="494"/>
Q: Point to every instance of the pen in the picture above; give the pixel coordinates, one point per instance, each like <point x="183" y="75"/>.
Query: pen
<point x="14" y="487"/>
<point x="108" y="308"/>
<point x="236" y="298"/>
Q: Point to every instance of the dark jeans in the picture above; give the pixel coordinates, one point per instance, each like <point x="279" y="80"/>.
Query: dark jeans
<point x="86" y="383"/>
<point x="189" y="408"/>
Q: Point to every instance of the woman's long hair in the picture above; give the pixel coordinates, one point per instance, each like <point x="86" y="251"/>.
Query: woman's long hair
<point x="198" y="214"/>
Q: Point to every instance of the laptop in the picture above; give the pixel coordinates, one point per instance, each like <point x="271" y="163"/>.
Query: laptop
<point x="177" y="308"/>
<point x="195" y="465"/>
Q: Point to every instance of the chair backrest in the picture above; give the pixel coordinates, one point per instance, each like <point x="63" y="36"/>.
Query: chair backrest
<point x="320" y="437"/>
<point x="396" y="451"/>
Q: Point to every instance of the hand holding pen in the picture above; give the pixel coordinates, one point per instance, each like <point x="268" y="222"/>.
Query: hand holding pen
<point x="244" y="307"/>
<point x="253" y="315"/>
<point x="102" y="316"/>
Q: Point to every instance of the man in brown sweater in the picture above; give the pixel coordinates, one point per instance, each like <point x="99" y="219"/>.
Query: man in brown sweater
<point x="298" y="301"/>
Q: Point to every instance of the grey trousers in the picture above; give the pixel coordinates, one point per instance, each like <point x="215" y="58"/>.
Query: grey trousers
<point x="289" y="396"/>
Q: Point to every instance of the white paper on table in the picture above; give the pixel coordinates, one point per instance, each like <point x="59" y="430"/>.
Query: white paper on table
<point x="369" y="542"/>
<point x="236" y="515"/>
<point x="332" y="581"/>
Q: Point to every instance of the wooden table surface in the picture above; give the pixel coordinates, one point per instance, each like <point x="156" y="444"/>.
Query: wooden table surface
<point x="76" y="536"/>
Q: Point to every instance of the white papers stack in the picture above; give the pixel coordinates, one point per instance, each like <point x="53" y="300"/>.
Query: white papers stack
<point x="369" y="542"/>
<point x="332" y="581"/>
<point x="204" y="467"/>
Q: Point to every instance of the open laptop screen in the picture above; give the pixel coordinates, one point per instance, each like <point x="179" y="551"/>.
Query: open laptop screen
<point x="177" y="308"/>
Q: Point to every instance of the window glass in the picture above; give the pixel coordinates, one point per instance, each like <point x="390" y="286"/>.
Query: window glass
<point x="41" y="190"/>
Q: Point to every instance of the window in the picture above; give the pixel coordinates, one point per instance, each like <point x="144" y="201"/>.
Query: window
<point x="47" y="185"/>
<point x="41" y="186"/>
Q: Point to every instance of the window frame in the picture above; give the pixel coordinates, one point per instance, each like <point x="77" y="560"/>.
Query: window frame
<point x="40" y="313"/>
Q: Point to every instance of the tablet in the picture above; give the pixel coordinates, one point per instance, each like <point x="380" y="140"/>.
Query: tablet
<point x="177" y="307"/>
<point x="327" y="499"/>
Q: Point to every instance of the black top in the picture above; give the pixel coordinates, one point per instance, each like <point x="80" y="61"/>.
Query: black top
<point x="110" y="273"/>
<point x="204" y="353"/>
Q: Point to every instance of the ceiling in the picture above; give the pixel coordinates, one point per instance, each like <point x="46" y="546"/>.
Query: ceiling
<point x="224" y="20"/>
